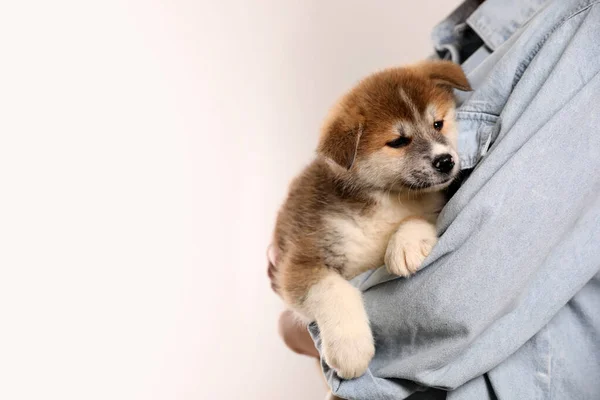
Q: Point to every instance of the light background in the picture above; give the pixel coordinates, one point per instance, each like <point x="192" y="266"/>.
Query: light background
<point x="145" y="147"/>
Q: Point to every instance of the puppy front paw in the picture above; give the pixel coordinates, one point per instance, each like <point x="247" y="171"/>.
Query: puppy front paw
<point x="409" y="246"/>
<point x="348" y="351"/>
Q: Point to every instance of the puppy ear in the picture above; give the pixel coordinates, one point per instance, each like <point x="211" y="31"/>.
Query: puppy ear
<point x="339" y="141"/>
<point x="446" y="73"/>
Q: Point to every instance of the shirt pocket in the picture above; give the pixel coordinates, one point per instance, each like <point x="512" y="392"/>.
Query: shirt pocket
<point x="475" y="133"/>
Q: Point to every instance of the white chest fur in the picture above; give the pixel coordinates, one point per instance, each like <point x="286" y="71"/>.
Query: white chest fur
<point x="363" y="239"/>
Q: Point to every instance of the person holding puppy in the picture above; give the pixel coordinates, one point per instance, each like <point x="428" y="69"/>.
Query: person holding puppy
<point x="505" y="305"/>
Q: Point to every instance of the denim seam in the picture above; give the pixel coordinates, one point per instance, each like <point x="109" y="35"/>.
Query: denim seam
<point x="484" y="140"/>
<point x="482" y="31"/>
<point x="473" y="115"/>
<point x="483" y="132"/>
<point x="583" y="6"/>
<point x="468" y="163"/>
<point x="494" y="38"/>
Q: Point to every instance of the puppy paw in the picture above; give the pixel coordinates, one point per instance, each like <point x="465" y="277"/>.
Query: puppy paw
<point x="409" y="247"/>
<point x="346" y="338"/>
<point x="349" y="352"/>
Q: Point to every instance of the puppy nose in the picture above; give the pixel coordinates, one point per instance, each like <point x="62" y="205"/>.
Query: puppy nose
<point x="443" y="163"/>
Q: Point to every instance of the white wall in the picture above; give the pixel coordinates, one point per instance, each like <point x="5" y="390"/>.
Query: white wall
<point x="144" y="149"/>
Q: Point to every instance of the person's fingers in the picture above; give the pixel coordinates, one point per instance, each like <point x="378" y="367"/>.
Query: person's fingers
<point x="272" y="254"/>
<point x="272" y="261"/>
<point x="270" y="271"/>
<point x="295" y="335"/>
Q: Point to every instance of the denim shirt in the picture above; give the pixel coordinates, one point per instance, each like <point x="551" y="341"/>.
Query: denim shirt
<point x="508" y="304"/>
<point x="468" y="36"/>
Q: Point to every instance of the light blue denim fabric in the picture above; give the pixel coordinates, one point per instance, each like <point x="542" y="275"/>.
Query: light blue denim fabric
<point x="508" y="304"/>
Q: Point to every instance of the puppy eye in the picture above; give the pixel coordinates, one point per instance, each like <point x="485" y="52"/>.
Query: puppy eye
<point x="401" y="141"/>
<point x="437" y="125"/>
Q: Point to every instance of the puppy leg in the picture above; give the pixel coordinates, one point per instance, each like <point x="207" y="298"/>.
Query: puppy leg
<point x="347" y="341"/>
<point x="409" y="246"/>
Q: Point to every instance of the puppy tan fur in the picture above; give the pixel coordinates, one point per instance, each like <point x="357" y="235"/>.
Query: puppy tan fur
<point x="370" y="197"/>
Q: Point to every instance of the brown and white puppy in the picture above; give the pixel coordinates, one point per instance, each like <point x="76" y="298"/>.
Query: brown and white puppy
<point x="370" y="197"/>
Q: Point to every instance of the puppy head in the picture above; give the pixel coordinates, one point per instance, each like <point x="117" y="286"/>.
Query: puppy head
<point x="396" y="130"/>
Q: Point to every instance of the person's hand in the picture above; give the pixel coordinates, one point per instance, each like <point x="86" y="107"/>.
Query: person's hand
<point x="294" y="334"/>
<point x="272" y="261"/>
